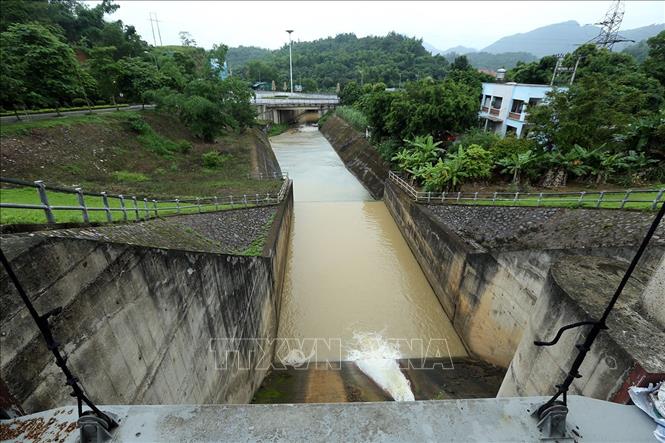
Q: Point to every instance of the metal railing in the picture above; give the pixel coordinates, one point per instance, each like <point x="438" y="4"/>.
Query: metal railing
<point x="643" y="198"/>
<point x="268" y="175"/>
<point x="133" y="208"/>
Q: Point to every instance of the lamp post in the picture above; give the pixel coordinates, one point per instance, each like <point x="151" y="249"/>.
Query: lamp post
<point x="290" y="59"/>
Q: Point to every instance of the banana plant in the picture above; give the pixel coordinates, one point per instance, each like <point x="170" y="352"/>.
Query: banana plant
<point x="516" y="163"/>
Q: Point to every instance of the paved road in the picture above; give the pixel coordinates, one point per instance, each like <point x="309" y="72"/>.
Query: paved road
<point x="49" y="115"/>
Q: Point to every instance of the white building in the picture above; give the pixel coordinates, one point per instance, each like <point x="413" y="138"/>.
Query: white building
<point x="504" y="106"/>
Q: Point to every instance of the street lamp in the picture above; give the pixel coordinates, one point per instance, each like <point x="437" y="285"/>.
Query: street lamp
<point x="290" y="59"/>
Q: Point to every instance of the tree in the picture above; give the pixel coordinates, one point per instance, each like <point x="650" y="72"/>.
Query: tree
<point x="186" y="38"/>
<point x="537" y="72"/>
<point x="40" y="67"/>
<point x="350" y="93"/>
<point x="654" y="65"/>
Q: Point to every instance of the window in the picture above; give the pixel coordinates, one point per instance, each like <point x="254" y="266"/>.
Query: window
<point x="511" y="130"/>
<point x="486" y="101"/>
<point x="535" y="101"/>
<point x="496" y="102"/>
<point x="517" y="106"/>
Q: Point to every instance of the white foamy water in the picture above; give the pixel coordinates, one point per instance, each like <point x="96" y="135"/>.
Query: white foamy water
<point x="376" y="358"/>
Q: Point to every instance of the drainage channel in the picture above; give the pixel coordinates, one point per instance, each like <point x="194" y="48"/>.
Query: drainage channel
<point x="359" y="321"/>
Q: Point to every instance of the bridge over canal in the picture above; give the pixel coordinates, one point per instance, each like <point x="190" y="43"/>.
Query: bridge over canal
<point x="287" y="107"/>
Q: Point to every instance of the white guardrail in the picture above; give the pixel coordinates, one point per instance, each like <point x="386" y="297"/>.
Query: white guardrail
<point x="637" y="198"/>
<point x="137" y="208"/>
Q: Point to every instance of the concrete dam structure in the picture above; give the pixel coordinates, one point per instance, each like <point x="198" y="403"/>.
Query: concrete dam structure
<point x="352" y="300"/>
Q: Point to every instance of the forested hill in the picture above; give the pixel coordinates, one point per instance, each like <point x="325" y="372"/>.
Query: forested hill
<point x="323" y="63"/>
<point x="564" y="37"/>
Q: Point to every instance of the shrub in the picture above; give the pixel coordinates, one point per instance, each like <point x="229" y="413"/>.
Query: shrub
<point x="478" y="162"/>
<point x="126" y="176"/>
<point x="137" y="124"/>
<point x="79" y="102"/>
<point x="484" y="139"/>
<point x="510" y="145"/>
<point x="184" y="146"/>
<point x="213" y="159"/>
<point x="352" y="116"/>
<point x="388" y="148"/>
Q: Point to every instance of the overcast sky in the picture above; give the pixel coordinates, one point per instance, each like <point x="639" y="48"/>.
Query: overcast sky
<point x="441" y="24"/>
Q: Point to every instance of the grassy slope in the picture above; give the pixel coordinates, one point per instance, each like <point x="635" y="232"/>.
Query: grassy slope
<point x="102" y="153"/>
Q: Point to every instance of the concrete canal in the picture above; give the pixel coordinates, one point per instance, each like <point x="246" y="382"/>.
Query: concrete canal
<point x="353" y="290"/>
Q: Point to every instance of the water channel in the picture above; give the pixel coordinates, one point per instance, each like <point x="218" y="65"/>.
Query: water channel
<point x="351" y="278"/>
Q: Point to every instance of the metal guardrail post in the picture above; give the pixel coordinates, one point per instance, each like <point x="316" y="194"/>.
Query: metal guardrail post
<point x="198" y="204"/>
<point x="267" y="197"/>
<point x="517" y="194"/>
<point x="654" y="205"/>
<point x="122" y="206"/>
<point x="475" y="197"/>
<point x="145" y="207"/>
<point x="459" y="194"/>
<point x="84" y="209"/>
<point x="443" y="196"/>
<point x="494" y="198"/>
<point x="625" y="198"/>
<point x="177" y="206"/>
<point x="579" y="200"/>
<point x="540" y="199"/>
<point x="244" y="199"/>
<point x="136" y="208"/>
<point x="216" y="204"/>
<point x="601" y="196"/>
<point x="429" y="196"/>
<point x="107" y="209"/>
<point x="231" y="199"/>
<point x="41" y="190"/>
<point x="156" y="209"/>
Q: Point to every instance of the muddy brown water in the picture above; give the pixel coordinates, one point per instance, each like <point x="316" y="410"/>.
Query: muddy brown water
<point x="351" y="277"/>
<point x="349" y="269"/>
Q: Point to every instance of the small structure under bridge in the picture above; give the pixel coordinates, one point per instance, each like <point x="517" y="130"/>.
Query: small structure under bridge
<point x="289" y="107"/>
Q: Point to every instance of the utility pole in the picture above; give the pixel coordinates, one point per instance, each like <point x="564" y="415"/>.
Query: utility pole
<point x="152" y="26"/>
<point x="290" y="58"/>
<point x="153" y="20"/>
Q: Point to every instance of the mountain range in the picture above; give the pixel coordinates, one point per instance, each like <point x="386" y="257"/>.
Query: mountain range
<point x="552" y="39"/>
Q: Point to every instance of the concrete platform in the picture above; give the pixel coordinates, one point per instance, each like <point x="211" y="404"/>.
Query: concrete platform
<point x="496" y="419"/>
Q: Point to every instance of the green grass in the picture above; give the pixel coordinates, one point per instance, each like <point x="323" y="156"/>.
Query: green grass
<point x="611" y="201"/>
<point x="32" y="216"/>
<point x="277" y="129"/>
<point x="23" y="128"/>
<point x="353" y="117"/>
<point x="132" y="177"/>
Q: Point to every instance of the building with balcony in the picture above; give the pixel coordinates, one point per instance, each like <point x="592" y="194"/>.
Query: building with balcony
<point x="504" y="106"/>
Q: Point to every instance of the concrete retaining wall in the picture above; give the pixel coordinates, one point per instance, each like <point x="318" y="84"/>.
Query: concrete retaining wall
<point x="631" y="351"/>
<point x="137" y="322"/>
<point x="359" y="156"/>
<point x="488" y="294"/>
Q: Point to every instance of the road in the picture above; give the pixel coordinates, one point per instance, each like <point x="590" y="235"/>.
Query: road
<point x="48" y="115"/>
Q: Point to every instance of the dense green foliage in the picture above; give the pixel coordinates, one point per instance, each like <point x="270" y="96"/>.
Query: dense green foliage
<point x="353" y="116"/>
<point x="63" y="53"/>
<point x="491" y="61"/>
<point x="321" y="64"/>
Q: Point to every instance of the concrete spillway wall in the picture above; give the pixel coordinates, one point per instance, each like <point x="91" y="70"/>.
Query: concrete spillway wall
<point x="141" y="325"/>
<point x="357" y="154"/>
<point x="494" y="294"/>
